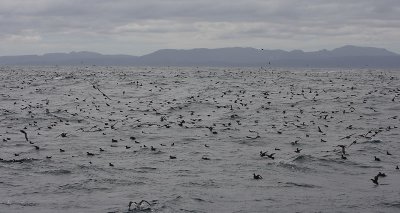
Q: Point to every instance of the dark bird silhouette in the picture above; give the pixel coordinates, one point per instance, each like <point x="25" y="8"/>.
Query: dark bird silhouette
<point x="127" y="147"/>
<point x="375" y="180"/>
<point x="297" y="150"/>
<point x="25" y="134"/>
<point x="89" y="154"/>
<point x="48" y="157"/>
<point x="377" y="159"/>
<point x="380" y="174"/>
<point x="262" y="154"/>
<point x="257" y="177"/>
<point x="387" y="152"/>
<point x="152" y="148"/>
<point x="397" y="167"/>
<point x="62" y="150"/>
<point x="110" y="164"/>
<point x="343" y="149"/>
<point x="36" y="147"/>
<point x="172" y="157"/>
<point x="101" y="150"/>
<point x="271" y="156"/>
<point x="205" y="158"/>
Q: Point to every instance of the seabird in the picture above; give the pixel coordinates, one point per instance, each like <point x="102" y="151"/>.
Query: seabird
<point x="111" y="164"/>
<point x="138" y="205"/>
<point x="257" y="177"/>
<point x="297" y="150"/>
<point x="271" y="156"/>
<point x="377" y="159"/>
<point x="172" y="157"/>
<point x="343" y="149"/>
<point x="25" y="134"/>
<point x="375" y="180"/>
<point x="387" y="152"/>
<point x="380" y="174"/>
<point x="62" y="150"/>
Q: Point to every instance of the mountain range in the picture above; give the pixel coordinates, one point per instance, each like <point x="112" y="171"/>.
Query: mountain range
<point x="346" y="56"/>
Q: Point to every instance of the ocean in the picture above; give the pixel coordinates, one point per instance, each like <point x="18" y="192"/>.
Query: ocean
<point x="191" y="139"/>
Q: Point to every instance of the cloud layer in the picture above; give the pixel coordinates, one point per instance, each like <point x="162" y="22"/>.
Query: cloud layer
<point x="139" y="27"/>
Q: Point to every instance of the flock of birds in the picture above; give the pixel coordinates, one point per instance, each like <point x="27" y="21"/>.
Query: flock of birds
<point x="106" y="108"/>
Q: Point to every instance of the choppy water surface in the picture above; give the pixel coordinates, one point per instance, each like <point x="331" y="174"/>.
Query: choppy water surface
<point x="215" y="122"/>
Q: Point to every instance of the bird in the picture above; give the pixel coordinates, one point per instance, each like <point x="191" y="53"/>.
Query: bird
<point x="127" y="147"/>
<point x="375" y="180"/>
<point x="37" y="147"/>
<point x="172" y="157"/>
<point x="380" y="174"/>
<point x="343" y="149"/>
<point x="139" y="206"/>
<point x="89" y="154"/>
<point x="271" y="156"/>
<point x="152" y="148"/>
<point x="257" y="177"/>
<point x="110" y="164"/>
<point x="25" y="134"/>
<point x="397" y="167"/>
<point x="377" y="159"/>
<point x="297" y="150"/>
<point x="387" y="152"/>
<point x="62" y="150"/>
<point x="101" y="150"/>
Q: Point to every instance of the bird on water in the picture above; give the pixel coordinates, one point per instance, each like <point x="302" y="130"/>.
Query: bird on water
<point x="257" y="177"/>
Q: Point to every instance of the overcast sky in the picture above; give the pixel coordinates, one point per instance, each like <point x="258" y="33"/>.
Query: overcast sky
<point x="138" y="27"/>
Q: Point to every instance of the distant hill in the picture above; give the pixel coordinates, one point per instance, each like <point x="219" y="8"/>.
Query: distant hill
<point x="346" y="56"/>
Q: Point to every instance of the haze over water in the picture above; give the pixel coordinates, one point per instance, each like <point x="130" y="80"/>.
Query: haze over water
<point x="215" y="121"/>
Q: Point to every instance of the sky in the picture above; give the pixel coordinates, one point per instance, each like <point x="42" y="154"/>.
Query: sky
<point x="139" y="27"/>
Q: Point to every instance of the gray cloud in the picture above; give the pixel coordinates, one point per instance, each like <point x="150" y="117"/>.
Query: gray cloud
<point x="138" y="27"/>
